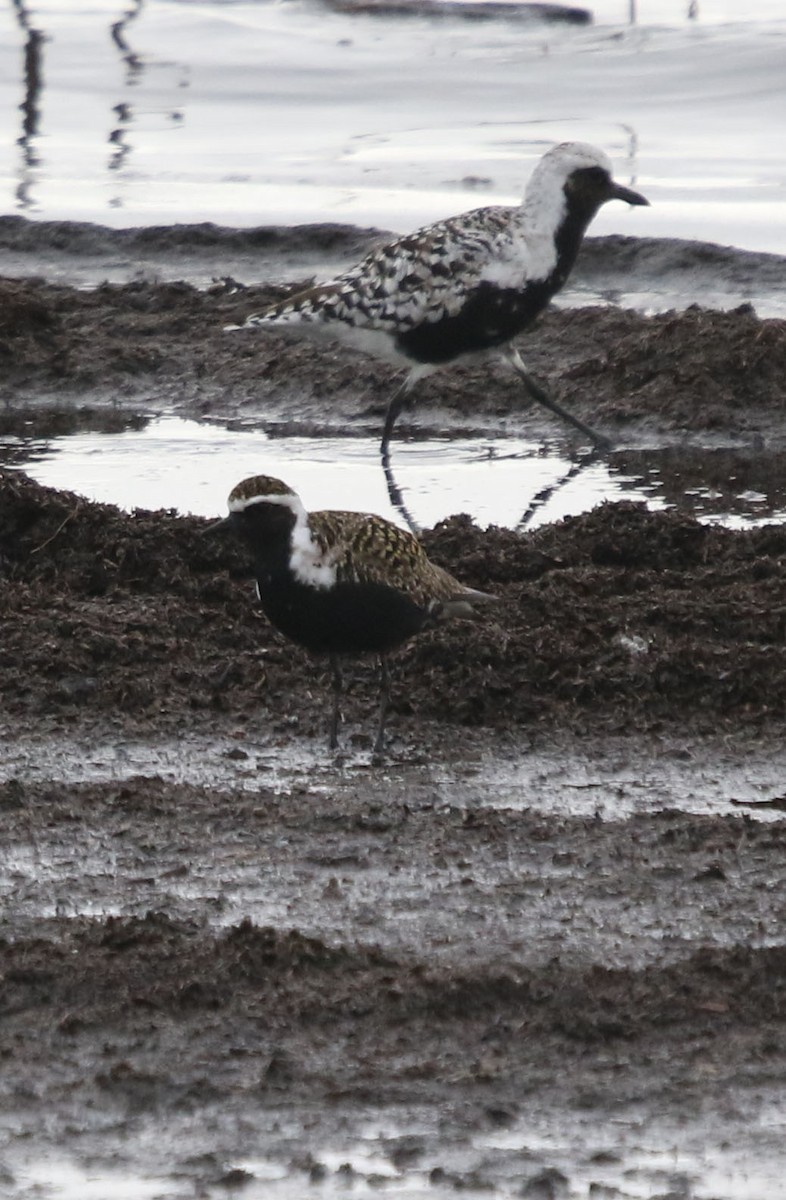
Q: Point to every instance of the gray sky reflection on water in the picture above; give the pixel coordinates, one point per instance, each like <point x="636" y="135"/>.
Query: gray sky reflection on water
<point x="253" y="113"/>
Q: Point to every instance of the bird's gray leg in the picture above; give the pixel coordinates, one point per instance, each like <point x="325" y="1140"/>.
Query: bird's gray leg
<point x="384" y="703"/>
<point x="537" y="393"/>
<point x="335" y="674"/>
<point x="397" y="401"/>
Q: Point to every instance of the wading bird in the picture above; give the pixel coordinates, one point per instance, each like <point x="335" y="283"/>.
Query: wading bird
<point x="465" y="285"/>
<point x="341" y="583"/>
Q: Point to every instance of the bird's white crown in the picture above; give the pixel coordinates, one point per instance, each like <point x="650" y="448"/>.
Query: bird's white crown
<point x="572" y="156"/>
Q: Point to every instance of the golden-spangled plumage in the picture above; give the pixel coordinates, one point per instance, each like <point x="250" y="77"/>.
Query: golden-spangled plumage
<point x="365" y="548"/>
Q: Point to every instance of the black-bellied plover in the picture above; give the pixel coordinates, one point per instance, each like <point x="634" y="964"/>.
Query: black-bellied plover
<point x="341" y="583"/>
<point x="465" y="285"/>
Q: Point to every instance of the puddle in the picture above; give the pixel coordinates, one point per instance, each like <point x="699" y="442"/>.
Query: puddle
<point x="111" y="860"/>
<point x="696" y="777"/>
<point x="191" y="467"/>
<point x="638" y="1158"/>
<point x="63" y="1180"/>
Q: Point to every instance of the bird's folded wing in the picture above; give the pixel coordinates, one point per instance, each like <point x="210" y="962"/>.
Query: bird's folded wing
<point x="422" y="277"/>
<point x="368" y="549"/>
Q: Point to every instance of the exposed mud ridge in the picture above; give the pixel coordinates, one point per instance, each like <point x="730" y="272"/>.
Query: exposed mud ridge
<point x="620" y="618"/>
<point x="552" y="13"/>
<point x="86" y="239"/>
<point x="174" y="975"/>
<point x="84" y="252"/>
<point x="582" y="967"/>
<point x="736" y="359"/>
<point x="163" y="345"/>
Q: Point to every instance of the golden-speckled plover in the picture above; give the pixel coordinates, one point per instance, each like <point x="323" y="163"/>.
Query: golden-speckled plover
<point x="341" y="583"/>
<point x="465" y="285"/>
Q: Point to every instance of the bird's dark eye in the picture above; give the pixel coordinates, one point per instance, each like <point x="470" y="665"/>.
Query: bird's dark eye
<point x="590" y="179"/>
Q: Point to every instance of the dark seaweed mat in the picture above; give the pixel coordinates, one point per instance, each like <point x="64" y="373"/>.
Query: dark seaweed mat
<point x="620" y="618"/>
<point x="693" y="368"/>
<point x="697" y="370"/>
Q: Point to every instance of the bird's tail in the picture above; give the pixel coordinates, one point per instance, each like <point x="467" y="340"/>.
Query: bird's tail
<point x="463" y="604"/>
<point x="250" y="323"/>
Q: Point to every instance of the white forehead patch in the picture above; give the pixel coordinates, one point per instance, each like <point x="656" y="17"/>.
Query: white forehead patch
<point x="572" y="156"/>
<point x="289" y="500"/>
<point x="310" y="565"/>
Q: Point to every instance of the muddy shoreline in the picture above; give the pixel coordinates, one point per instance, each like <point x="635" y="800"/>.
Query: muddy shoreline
<point x="536" y="952"/>
<point x="147" y="344"/>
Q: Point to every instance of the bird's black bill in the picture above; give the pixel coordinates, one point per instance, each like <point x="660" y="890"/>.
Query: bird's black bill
<point x="214" y="526"/>
<point x="618" y="192"/>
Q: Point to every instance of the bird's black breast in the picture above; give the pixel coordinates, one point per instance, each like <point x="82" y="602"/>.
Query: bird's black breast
<point x="490" y="317"/>
<point x="348" y="618"/>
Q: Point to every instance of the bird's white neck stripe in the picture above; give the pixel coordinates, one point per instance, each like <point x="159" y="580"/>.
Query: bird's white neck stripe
<point x="542" y="214"/>
<point x="309" y="564"/>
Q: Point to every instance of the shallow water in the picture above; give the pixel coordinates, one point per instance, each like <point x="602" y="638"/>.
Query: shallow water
<point x="189" y="466"/>
<point x="256" y="112"/>
<point x="631" y="1157"/>
<point x="549" y="780"/>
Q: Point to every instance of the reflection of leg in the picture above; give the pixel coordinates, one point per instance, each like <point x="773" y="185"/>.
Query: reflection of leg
<point x="537" y="393"/>
<point x="33" y="81"/>
<point x="117" y="31"/>
<point x="384" y="703"/>
<point x="31" y="105"/>
<point x="544" y="495"/>
<point x="394" y="493"/>
<point x="335" y="683"/>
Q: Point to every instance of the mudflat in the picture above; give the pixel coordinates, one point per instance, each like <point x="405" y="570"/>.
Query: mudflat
<point x="537" y="949"/>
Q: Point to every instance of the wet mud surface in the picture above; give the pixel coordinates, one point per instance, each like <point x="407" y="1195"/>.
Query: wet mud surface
<point x="155" y="342"/>
<point x="272" y="972"/>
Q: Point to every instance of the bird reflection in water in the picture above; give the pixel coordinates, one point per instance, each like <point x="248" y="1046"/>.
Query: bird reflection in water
<point x="575" y="470"/>
<point x="31" y="104"/>
<point x="33" y="83"/>
<point x="118" y="31"/>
